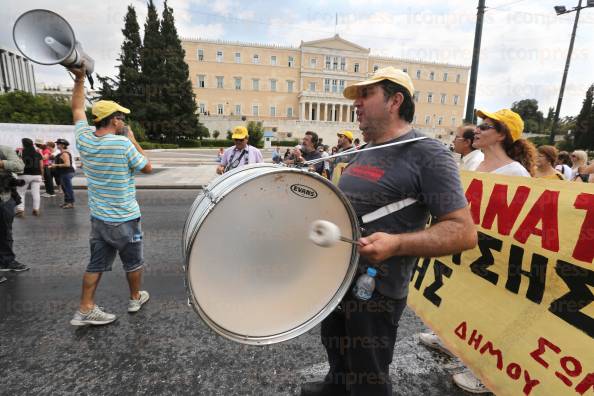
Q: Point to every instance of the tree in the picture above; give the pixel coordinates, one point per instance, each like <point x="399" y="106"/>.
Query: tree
<point x="177" y="93"/>
<point x="152" y="111"/>
<point x="256" y="133"/>
<point x="129" y="69"/>
<point x="533" y="118"/>
<point x="24" y="108"/>
<point x="216" y="134"/>
<point x="584" y="128"/>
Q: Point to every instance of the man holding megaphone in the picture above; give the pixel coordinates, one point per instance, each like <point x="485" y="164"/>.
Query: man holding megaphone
<point x="109" y="160"/>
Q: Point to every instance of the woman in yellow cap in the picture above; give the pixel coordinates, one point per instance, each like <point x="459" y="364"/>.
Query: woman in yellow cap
<point x="499" y="137"/>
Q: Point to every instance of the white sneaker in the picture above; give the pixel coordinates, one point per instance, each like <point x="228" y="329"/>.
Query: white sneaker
<point x="94" y="317"/>
<point x="135" y="305"/>
<point x="432" y="341"/>
<point x="46" y="195"/>
<point x="469" y="382"/>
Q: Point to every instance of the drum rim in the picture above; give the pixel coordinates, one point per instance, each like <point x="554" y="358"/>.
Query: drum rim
<point x="311" y="322"/>
<point x="208" y="188"/>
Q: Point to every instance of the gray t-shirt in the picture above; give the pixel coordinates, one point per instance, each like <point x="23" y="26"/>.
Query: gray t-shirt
<point x="424" y="170"/>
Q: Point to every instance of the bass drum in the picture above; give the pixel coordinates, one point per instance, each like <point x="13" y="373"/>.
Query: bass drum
<point x="252" y="274"/>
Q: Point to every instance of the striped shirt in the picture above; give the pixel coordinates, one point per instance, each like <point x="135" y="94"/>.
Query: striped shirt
<point x="109" y="163"/>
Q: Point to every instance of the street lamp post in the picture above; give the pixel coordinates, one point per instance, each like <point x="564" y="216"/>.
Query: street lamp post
<point x="560" y="10"/>
<point x="476" y="53"/>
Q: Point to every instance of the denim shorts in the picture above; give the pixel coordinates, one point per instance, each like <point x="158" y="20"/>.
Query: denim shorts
<point x="107" y="238"/>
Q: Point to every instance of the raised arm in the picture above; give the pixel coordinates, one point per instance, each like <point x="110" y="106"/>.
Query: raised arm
<point x="78" y="95"/>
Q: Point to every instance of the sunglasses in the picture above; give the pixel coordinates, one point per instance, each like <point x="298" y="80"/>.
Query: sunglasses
<point x="486" y="127"/>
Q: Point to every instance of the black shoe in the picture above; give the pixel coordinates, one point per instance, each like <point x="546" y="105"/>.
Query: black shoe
<point x="322" y="389"/>
<point x="15" y="266"/>
<point x="3" y="279"/>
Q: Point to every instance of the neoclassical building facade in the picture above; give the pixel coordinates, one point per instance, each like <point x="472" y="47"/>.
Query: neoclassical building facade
<point x="294" y="89"/>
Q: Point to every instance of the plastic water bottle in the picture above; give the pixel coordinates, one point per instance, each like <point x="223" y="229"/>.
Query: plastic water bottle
<point x="365" y="285"/>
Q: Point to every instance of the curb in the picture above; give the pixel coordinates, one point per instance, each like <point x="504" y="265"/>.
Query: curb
<point x="157" y="187"/>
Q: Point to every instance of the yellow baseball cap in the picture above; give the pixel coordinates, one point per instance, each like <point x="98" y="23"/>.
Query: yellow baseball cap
<point x="105" y="108"/>
<point x="386" y="73"/>
<point x="347" y="134"/>
<point x="239" y="132"/>
<point x="510" y="119"/>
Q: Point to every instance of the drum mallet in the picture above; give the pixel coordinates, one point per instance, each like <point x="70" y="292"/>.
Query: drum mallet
<point x="324" y="233"/>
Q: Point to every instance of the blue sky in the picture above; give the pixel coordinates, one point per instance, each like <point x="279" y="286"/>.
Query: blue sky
<point x="523" y="51"/>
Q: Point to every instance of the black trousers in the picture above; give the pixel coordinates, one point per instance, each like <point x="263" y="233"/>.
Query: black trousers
<point x="6" y="218"/>
<point x="48" y="180"/>
<point x="359" y="338"/>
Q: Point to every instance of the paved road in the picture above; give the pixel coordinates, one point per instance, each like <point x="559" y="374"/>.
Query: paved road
<point x="165" y="348"/>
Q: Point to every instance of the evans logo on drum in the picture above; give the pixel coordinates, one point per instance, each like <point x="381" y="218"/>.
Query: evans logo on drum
<point x="304" y="191"/>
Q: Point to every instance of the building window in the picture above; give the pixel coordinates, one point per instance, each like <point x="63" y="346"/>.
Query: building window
<point x="443" y="98"/>
<point x="334" y="86"/>
<point x="418" y="74"/>
<point x="431" y="76"/>
<point x="201" y="55"/>
<point x="273" y="85"/>
<point x="291" y="61"/>
<point x="328" y="62"/>
<point x="427" y="120"/>
<point x="255" y="84"/>
<point x="453" y="121"/>
<point x="272" y="111"/>
<point x="201" y="81"/>
<point x="375" y="67"/>
<point x="289" y="112"/>
<point x="219" y="56"/>
<point x="456" y="99"/>
<point x="238" y="83"/>
<point x="326" y="85"/>
<point x="273" y="60"/>
<point x="440" y="121"/>
<point x="430" y="97"/>
<point x="220" y="109"/>
<point x="202" y="108"/>
<point x="313" y="62"/>
<point x="343" y="63"/>
<point x="220" y="81"/>
<point x="256" y="59"/>
<point x="416" y="96"/>
<point x="237" y="57"/>
<point x="335" y="63"/>
<point x="289" y="86"/>
<point x="356" y="68"/>
<point x="445" y="76"/>
<point x="255" y="110"/>
<point x="237" y="109"/>
<point x="405" y="69"/>
<point x="312" y="87"/>
<point x="340" y="86"/>
<point x="458" y="78"/>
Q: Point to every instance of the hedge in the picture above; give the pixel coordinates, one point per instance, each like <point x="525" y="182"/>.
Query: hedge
<point x="152" y="146"/>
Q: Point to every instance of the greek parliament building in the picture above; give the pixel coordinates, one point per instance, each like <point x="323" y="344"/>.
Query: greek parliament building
<point x="292" y="90"/>
<point x="16" y="73"/>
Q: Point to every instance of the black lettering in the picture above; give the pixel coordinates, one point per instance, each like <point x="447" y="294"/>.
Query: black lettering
<point x="439" y="269"/>
<point x="457" y="258"/>
<point x="568" y="306"/>
<point x="422" y="270"/>
<point x="486" y="243"/>
<point x="537" y="275"/>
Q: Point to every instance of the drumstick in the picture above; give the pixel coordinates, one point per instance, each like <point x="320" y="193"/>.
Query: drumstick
<point x="325" y="233"/>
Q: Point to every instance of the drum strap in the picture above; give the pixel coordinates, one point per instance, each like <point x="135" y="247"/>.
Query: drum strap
<point x="233" y="163"/>
<point x="388" y="209"/>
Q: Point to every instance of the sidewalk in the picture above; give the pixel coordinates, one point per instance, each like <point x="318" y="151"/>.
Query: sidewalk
<point x="186" y="177"/>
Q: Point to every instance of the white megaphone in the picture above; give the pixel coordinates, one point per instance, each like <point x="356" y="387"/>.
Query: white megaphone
<point x="44" y="37"/>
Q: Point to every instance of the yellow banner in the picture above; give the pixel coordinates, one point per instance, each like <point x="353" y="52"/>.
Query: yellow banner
<point x="519" y="308"/>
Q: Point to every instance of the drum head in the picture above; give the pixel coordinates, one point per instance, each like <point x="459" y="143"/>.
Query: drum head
<point x="253" y="274"/>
